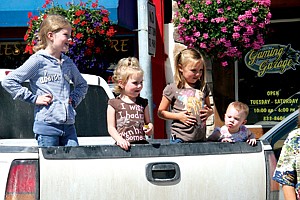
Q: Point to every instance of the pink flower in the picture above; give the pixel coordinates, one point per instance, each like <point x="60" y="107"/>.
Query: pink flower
<point x="220" y="10"/>
<point x="203" y="45"/>
<point x="236" y="28"/>
<point x="224" y="64"/>
<point x="183" y="20"/>
<point x="224" y="29"/>
<point x="208" y="2"/>
<point x="192" y="17"/>
<point x="254" y="19"/>
<point x="227" y="44"/>
<point x="200" y="17"/>
<point x="246" y="40"/>
<point x="219" y="19"/>
<point x="187" y="6"/>
<point x="235" y="35"/>
<point x="254" y="10"/>
<point x="248" y="14"/>
<point x="197" y="34"/>
<point x="241" y="17"/>
<point x="205" y="35"/>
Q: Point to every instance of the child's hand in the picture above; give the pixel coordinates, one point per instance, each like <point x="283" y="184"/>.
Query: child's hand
<point x="124" y="144"/>
<point x="205" y="112"/>
<point x="186" y="118"/>
<point x="45" y="99"/>
<point x="227" y="140"/>
<point x="252" y="142"/>
<point x="148" y="129"/>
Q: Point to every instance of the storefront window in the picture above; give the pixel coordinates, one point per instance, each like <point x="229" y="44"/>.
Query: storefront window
<point x="273" y="95"/>
<point x="12" y="55"/>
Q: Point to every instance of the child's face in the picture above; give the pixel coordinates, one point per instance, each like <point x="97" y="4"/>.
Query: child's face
<point x="60" y="40"/>
<point x="234" y="119"/>
<point x="192" y="72"/>
<point x="133" y="86"/>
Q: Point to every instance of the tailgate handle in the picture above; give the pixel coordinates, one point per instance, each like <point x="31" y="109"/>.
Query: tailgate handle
<point x="162" y="172"/>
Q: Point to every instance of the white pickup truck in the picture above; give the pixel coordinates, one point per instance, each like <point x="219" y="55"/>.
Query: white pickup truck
<point x="98" y="169"/>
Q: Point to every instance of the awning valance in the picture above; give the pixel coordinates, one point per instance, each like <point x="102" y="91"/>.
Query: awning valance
<point x="14" y="13"/>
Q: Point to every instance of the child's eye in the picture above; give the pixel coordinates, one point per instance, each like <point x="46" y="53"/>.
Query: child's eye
<point x="138" y="83"/>
<point x="67" y="35"/>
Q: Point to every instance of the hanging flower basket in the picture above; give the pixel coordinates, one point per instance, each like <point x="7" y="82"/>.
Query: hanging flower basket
<point x="91" y="31"/>
<point x="223" y="29"/>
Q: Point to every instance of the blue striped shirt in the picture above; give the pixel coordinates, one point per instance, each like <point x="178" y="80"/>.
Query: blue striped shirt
<point x="47" y="75"/>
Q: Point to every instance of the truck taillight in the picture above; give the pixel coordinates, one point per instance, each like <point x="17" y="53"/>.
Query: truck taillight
<point x="272" y="186"/>
<point x="22" y="181"/>
<point x="7" y="72"/>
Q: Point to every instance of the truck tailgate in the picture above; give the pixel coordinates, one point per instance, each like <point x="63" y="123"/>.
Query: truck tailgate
<point x="154" y="171"/>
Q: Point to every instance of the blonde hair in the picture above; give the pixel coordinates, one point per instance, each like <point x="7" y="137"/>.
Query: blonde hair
<point x="182" y="59"/>
<point x="240" y="107"/>
<point x="52" y="23"/>
<point x="126" y="67"/>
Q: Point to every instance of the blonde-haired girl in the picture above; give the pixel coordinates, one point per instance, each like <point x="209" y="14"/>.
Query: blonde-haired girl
<point x="50" y="73"/>
<point x="188" y="97"/>
<point x="128" y="116"/>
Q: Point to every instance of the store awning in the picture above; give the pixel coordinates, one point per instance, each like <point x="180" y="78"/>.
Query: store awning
<point x="14" y="13"/>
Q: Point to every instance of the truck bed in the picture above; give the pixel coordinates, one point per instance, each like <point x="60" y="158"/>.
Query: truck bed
<point x="158" y="170"/>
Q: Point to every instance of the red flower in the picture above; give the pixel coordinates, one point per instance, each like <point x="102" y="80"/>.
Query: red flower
<point x="90" y="42"/>
<point x="26" y="36"/>
<point x="110" y="31"/>
<point x="88" y="52"/>
<point x="79" y="35"/>
<point x="105" y="19"/>
<point x="30" y="15"/>
<point x="95" y="5"/>
<point x="76" y="21"/>
<point x="83" y="23"/>
<point x="28" y="49"/>
<point x="97" y="50"/>
<point x="71" y="42"/>
<point x="104" y="12"/>
<point x="101" y="31"/>
<point x="79" y="12"/>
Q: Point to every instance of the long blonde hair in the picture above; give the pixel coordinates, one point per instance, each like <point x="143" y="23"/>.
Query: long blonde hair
<point x="126" y="67"/>
<point x="182" y="59"/>
<point x="52" y="23"/>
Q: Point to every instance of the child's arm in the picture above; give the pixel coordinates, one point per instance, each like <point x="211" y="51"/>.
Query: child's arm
<point x="80" y="88"/>
<point x="184" y="117"/>
<point x="111" y="126"/>
<point x="225" y="135"/>
<point x="149" y="126"/>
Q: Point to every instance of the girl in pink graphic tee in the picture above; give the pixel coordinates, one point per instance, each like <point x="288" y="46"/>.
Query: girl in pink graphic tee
<point x="188" y="98"/>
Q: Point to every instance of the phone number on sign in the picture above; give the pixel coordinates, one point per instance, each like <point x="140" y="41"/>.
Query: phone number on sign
<point x="271" y="118"/>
